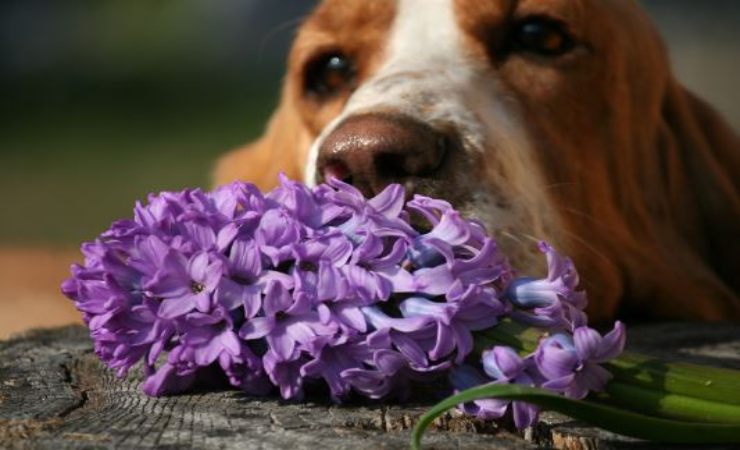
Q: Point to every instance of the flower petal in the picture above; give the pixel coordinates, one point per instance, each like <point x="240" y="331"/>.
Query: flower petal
<point x="389" y="202"/>
<point x="256" y="328"/>
<point x="175" y="307"/>
<point x="612" y="344"/>
<point x="587" y="342"/>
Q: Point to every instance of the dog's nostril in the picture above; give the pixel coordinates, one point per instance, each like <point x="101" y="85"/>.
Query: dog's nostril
<point x="338" y="170"/>
<point x="370" y="151"/>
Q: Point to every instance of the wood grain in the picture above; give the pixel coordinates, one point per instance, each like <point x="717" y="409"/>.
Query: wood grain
<point x="55" y="394"/>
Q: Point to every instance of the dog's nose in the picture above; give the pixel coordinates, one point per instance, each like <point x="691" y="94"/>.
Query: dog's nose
<point x="371" y="151"/>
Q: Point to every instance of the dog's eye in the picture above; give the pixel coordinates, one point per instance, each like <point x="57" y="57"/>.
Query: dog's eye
<point x="329" y="74"/>
<point x="542" y="36"/>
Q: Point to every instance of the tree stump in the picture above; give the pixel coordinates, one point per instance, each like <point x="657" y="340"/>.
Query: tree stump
<point x="55" y="394"/>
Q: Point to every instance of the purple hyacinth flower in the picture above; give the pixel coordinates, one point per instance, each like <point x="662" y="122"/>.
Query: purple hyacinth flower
<point x="570" y="363"/>
<point x="243" y="287"/>
<point x="166" y="380"/>
<point x="272" y="289"/>
<point x="505" y="366"/>
<point x="551" y="302"/>
<point x="210" y="335"/>
<point x="287" y="322"/>
<point x="330" y="359"/>
<point x="386" y="373"/>
<point x="465" y="377"/>
<point x="185" y="285"/>
<point x="466" y="310"/>
<point x="285" y="373"/>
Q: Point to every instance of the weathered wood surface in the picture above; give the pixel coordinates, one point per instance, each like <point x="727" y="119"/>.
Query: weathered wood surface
<point x="55" y="394"/>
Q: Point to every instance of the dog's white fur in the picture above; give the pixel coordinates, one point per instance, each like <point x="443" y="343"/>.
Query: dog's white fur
<point x="444" y="86"/>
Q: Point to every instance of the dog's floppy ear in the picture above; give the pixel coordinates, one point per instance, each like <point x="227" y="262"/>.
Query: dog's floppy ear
<point x="710" y="150"/>
<point x="701" y="163"/>
<point x="282" y="148"/>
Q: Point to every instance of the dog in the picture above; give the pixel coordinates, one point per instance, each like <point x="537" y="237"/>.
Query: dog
<point x="545" y="119"/>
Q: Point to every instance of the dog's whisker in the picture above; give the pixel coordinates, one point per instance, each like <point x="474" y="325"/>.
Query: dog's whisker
<point x="552" y="186"/>
<point x="509" y="235"/>
<point x="584" y="215"/>
<point x="586" y="244"/>
<point x="515" y="236"/>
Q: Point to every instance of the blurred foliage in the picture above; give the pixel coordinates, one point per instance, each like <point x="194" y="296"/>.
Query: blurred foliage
<point x="105" y="101"/>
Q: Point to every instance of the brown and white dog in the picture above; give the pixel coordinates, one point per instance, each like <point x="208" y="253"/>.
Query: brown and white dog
<point x="547" y="119"/>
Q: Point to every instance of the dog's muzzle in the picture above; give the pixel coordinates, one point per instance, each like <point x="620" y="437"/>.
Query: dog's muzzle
<point x="372" y="150"/>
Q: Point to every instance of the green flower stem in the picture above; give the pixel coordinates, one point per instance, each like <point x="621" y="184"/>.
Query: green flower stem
<point x="609" y="418"/>
<point x="646" y="384"/>
<point x="665" y="404"/>
<point x="708" y="383"/>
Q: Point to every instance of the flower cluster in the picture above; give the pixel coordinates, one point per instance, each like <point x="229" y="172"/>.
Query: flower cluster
<point x="566" y="361"/>
<point x="293" y="285"/>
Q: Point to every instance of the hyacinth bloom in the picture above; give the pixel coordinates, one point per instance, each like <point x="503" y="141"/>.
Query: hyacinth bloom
<point x="553" y="302"/>
<point x="503" y="365"/>
<point x="570" y="363"/>
<point x="289" y="287"/>
<point x="280" y="290"/>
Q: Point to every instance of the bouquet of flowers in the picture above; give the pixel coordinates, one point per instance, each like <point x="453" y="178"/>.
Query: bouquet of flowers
<point x="295" y="286"/>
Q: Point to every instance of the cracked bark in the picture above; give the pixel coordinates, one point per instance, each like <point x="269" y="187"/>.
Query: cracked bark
<point x="55" y="394"/>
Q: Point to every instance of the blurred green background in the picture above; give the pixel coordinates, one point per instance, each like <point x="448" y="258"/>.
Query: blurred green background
<point x="104" y="101"/>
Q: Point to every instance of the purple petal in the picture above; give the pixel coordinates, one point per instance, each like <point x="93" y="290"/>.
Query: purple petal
<point x="198" y="267"/>
<point x="445" y="343"/>
<point x="199" y="232"/>
<point x="299" y="329"/>
<point x="166" y="381"/>
<point x="245" y="259"/>
<point x="281" y="344"/>
<point x="352" y="316"/>
<point x="464" y="340"/>
<point x="256" y="328"/>
<point x="502" y="363"/>
<point x="198" y="336"/>
<point x="451" y="229"/>
<point x="528" y="292"/>
<point x="388" y="361"/>
<point x="560" y="384"/>
<point x="587" y="342"/>
<point x="338" y="251"/>
<point x="525" y="415"/>
<point x="232" y="295"/>
<point x="171" y="280"/>
<point x="612" y="344"/>
<point x="400" y="279"/>
<point x="277" y="298"/>
<point x="380" y="320"/>
<point x="434" y="280"/>
<point x="555" y="361"/>
<point x="390" y="201"/>
<point x="226" y="236"/>
<point x="411" y="350"/>
<point x="203" y="301"/>
<point x="422" y="307"/>
<point x="175" y="307"/>
<point x="285" y="373"/>
<point x="593" y="377"/>
<point x="230" y="341"/>
<point x="207" y="354"/>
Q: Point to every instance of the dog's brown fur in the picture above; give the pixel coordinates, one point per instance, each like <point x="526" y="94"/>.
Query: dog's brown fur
<point x="643" y="175"/>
